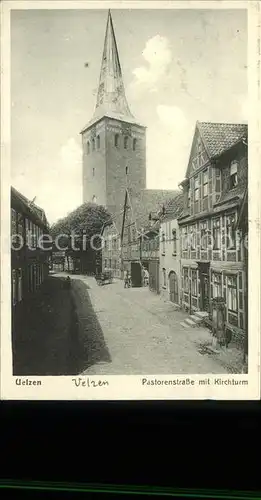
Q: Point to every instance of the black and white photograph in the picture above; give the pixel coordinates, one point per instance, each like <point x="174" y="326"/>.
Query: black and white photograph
<point x="131" y="264"/>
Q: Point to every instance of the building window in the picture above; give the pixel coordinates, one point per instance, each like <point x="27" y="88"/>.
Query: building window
<point x="231" y="232"/>
<point x="232" y="293"/>
<point x="109" y="263"/>
<point x="163" y="243"/>
<point x="193" y="237"/>
<point x="189" y="197"/>
<point x="217" y="290"/>
<point x="194" y="283"/>
<point x="216" y="234"/>
<point x="196" y="188"/>
<point x="126" y="140"/>
<point x="126" y="170"/>
<point x="93" y="171"/>
<point x="186" y="279"/>
<point x="98" y="142"/>
<point x="94" y="199"/>
<point x="116" y="140"/>
<point x="203" y="235"/>
<point x="233" y="181"/>
<point x="184" y="238"/>
<point x="205" y="183"/>
<point x="164" y="275"/>
<point x="88" y="148"/>
<point x="105" y="245"/>
<point x="105" y="263"/>
<point x="134" y="144"/>
<point x="174" y="238"/>
<point x="93" y="144"/>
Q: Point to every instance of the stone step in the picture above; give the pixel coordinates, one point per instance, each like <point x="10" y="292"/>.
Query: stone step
<point x="201" y="314"/>
<point x="184" y="324"/>
<point x="190" y="322"/>
<point x="196" y="319"/>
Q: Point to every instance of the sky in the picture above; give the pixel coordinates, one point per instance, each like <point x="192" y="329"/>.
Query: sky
<point x="179" y="66"/>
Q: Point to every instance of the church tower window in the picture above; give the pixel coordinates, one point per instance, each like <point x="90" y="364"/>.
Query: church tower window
<point x="134" y="144"/>
<point x="116" y="140"/>
<point x="98" y="142"/>
<point x="126" y="140"/>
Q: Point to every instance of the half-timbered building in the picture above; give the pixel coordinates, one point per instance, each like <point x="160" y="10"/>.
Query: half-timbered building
<point x="212" y="254"/>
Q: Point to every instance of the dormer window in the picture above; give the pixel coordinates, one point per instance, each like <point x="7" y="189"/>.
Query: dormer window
<point x="233" y="180"/>
<point x="116" y="140"/>
<point x="126" y="142"/>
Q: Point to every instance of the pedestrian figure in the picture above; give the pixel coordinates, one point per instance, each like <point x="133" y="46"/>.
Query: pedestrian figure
<point x="68" y="282"/>
<point x="126" y="279"/>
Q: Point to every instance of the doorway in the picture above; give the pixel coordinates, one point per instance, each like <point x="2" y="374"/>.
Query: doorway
<point x="136" y="277"/>
<point x="173" y="288"/>
<point x="204" y="285"/>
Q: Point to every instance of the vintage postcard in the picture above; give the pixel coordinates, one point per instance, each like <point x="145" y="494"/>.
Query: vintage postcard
<point x="130" y="200"/>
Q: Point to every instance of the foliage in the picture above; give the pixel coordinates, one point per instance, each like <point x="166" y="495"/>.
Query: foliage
<point x="88" y="219"/>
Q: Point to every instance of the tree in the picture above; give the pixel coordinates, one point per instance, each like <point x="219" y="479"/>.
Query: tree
<point x="76" y="233"/>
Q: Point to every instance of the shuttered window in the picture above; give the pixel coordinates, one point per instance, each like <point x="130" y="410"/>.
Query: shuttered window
<point x="186" y="279"/>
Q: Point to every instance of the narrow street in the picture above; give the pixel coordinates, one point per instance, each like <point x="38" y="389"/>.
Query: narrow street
<point x="133" y="331"/>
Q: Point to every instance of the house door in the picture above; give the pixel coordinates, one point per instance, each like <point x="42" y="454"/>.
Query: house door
<point x="173" y="287"/>
<point x="204" y="286"/>
<point x="136" y="277"/>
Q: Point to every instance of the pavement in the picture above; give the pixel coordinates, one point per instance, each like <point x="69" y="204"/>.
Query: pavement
<point x="134" y="331"/>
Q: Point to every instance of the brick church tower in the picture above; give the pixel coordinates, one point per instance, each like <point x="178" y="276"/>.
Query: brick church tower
<point x="114" y="144"/>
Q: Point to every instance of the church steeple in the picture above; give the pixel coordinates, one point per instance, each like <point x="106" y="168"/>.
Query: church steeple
<point x="111" y="98"/>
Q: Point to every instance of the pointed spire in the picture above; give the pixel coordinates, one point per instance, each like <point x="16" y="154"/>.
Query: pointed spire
<point x="111" y="98"/>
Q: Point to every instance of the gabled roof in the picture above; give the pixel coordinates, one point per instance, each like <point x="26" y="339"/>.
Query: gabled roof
<point x="219" y="137"/>
<point x="150" y="200"/>
<point x="174" y="208"/>
<point x="28" y="207"/>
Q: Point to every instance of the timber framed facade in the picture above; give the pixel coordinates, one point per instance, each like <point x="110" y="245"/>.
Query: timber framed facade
<point x="212" y="246"/>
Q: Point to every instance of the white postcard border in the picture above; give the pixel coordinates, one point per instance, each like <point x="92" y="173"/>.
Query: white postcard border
<point x="169" y="387"/>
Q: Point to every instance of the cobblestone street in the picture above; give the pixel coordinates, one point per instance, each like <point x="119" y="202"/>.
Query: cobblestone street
<point x="133" y="331"/>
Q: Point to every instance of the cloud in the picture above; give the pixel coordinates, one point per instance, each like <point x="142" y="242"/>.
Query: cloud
<point x="158" y="56"/>
<point x="171" y="117"/>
